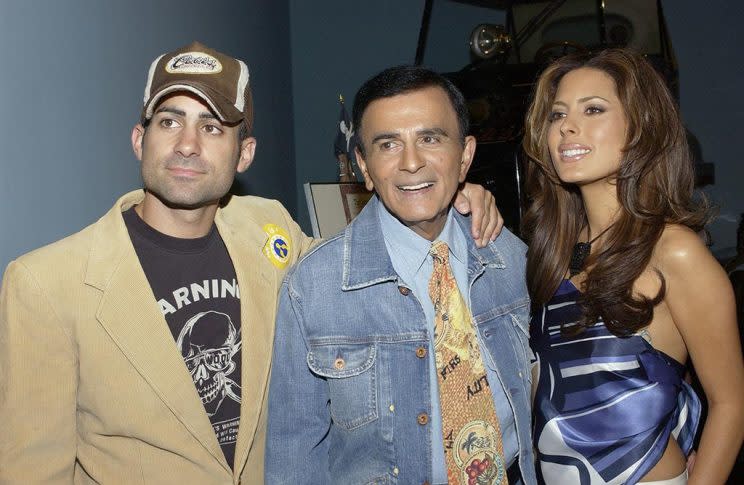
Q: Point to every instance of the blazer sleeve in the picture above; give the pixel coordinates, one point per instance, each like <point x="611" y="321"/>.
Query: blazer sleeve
<point x="38" y="385"/>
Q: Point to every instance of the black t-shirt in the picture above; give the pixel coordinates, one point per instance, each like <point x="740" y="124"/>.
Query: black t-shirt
<point x="195" y="285"/>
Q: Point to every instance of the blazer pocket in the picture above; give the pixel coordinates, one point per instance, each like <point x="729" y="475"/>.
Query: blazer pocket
<point x="350" y="372"/>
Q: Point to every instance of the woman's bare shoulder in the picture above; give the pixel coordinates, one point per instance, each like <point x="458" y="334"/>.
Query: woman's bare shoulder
<point x="680" y="249"/>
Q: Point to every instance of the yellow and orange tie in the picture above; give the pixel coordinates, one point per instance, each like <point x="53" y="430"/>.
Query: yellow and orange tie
<point x="472" y="436"/>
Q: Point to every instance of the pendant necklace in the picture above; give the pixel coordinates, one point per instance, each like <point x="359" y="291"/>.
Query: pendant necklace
<point x="580" y="252"/>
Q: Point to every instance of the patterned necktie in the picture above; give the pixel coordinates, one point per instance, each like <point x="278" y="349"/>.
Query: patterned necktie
<point x="472" y="436"/>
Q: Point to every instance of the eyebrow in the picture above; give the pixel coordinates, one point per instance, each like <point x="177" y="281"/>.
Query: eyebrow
<point x="432" y="131"/>
<point x="583" y="100"/>
<point x="422" y="132"/>
<point x="180" y="112"/>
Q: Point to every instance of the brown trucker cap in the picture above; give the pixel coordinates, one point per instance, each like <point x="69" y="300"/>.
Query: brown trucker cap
<point x="220" y="80"/>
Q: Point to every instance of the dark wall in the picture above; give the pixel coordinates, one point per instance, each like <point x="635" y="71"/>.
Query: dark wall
<point x="71" y="86"/>
<point x="337" y="44"/>
<point x="73" y="75"/>
<point x="709" y="44"/>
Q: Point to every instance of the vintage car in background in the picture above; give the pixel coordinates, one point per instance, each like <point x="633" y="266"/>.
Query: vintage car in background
<point x="507" y="59"/>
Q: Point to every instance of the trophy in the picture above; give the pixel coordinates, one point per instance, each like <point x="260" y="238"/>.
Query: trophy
<point x="341" y="145"/>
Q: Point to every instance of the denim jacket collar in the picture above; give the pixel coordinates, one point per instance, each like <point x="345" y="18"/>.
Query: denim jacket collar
<point x="366" y="261"/>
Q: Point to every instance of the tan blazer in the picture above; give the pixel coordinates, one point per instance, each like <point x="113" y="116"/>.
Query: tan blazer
<point x="92" y="386"/>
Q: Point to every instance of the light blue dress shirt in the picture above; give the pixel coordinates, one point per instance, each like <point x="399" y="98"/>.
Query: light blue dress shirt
<point x="409" y="254"/>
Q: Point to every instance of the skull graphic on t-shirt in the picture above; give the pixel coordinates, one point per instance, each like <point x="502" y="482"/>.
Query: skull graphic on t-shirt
<point x="208" y="343"/>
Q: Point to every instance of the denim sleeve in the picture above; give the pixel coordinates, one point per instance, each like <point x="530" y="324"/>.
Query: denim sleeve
<point x="299" y="420"/>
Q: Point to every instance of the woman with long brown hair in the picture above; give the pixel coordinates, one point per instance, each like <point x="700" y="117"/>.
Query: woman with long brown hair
<point x="624" y="290"/>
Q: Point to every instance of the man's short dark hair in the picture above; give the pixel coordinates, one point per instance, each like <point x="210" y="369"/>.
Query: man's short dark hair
<point x="403" y="79"/>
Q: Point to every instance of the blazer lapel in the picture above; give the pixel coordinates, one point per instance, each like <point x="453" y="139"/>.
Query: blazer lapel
<point x="131" y="316"/>
<point x="259" y="285"/>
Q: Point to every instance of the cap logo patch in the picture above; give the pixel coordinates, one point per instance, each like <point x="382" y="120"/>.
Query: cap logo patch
<point x="193" y="63"/>
<point x="278" y="247"/>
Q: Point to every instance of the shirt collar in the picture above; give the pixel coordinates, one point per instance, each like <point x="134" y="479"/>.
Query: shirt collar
<point x="405" y="241"/>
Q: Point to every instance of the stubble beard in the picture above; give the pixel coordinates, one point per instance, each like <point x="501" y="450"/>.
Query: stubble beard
<point x="180" y="193"/>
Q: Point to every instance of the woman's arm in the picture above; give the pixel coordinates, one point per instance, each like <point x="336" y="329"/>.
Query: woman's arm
<point x="701" y="303"/>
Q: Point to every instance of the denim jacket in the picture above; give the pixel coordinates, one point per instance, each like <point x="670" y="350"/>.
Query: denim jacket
<point x="349" y="397"/>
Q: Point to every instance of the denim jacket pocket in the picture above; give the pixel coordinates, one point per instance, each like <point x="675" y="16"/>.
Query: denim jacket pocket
<point x="521" y="320"/>
<point x="350" y="372"/>
<point x="524" y="346"/>
<point x="514" y="323"/>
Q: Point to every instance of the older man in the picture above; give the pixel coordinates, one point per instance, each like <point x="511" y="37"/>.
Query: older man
<point x="401" y="351"/>
<point x="138" y="350"/>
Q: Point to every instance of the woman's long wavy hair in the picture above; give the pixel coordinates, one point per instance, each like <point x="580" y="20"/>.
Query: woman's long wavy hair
<point x="655" y="184"/>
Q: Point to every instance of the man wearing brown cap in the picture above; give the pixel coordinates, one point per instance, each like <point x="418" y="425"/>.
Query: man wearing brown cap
<point x="95" y="329"/>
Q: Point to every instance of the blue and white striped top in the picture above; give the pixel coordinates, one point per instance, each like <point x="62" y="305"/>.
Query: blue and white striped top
<point x="605" y="406"/>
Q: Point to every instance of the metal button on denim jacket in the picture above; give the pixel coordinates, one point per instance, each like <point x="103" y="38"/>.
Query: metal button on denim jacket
<point x="350" y="374"/>
<point x="349" y="385"/>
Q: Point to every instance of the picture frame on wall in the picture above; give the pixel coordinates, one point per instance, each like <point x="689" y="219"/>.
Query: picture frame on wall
<point x="334" y="205"/>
